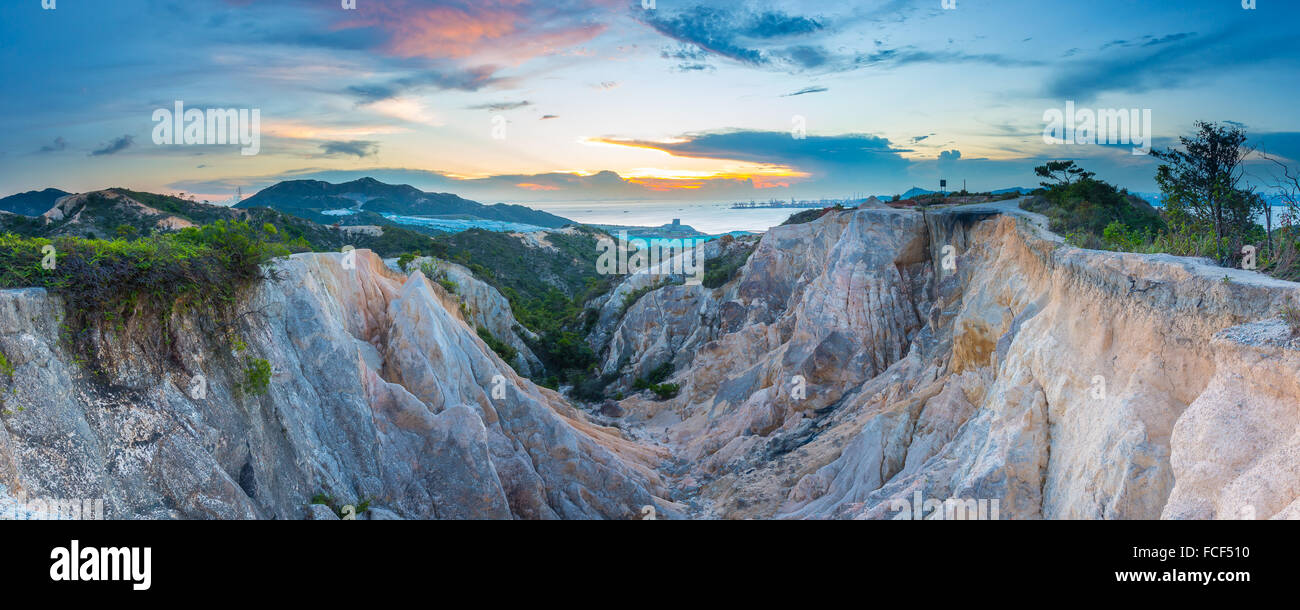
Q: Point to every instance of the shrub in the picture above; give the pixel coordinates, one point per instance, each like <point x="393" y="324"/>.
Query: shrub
<point x="654" y="382"/>
<point x="339" y="509"/>
<point x="257" y="377"/>
<point x="1092" y="205"/>
<point x="632" y="297"/>
<point x="1291" y="315"/>
<point x="591" y="388"/>
<point x="107" y="284"/>
<point x="665" y="390"/>
<point x="661" y="373"/>
<point x="502" y="349"/>
<point x="722" y="269"/>
<point x="806" y="216"/>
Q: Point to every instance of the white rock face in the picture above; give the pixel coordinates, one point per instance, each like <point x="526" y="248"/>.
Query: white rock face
<point x="850" y="370"/>
<point x="487" y="307"/>
<point x="858" y="363"/>
<point x="380" y="391"/>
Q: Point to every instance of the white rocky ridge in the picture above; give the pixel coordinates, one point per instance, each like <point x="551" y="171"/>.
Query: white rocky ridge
<point x="380" y="392"/>
<point x="843" y="370"/>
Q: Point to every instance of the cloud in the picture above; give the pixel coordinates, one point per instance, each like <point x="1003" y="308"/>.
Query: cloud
<point x="837" y="163"/>
<point x="359" y="148"/>
<point x="806" y="91"/>
<point x="910" y="55"/>
<point x="500" y="106"/>
<point x="407" y="109"/>
<point x="513" y="31"/>
<point x="1170" y="62"/>
<point x="468" y="79"/>
<point x="807" y="56"/>
<point x="116" y="146"/>
<point x="736" y="34"/>
<point x="58" y="145"/>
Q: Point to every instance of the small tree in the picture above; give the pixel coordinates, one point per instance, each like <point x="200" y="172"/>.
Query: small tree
<point x="1063" y="172"/>
<point x="1285" y="180"/>
<point x="1202" y="180"/>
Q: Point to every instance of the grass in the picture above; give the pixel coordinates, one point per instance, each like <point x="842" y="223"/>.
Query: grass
<point x="502" y="349"/>
<point x="655" y="382"/>
<point x="1291" y="315"/>
<point x="343" y="511"/>
<point x="1090" y="206"/>
<point x="122" y="285"/>
<point x="799" y="218"/>
<point x="436" y="273"/>
<point x="257" y="377"/>
<point x="7" y="371"/>
<point x="720" y="270"/>
<point x="631" y="298"/>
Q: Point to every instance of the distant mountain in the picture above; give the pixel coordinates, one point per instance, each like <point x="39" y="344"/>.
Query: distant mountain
<point x="917" y="192"/>
<point x="32" y="203"/>
<point x="312" y="199"/>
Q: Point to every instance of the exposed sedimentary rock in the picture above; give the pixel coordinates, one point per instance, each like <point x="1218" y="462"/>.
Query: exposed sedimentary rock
<point x="857" y="363"/>
<point x="380" y="392"/>
<point x="966" y="353"/>
<point x="487" y="308"/>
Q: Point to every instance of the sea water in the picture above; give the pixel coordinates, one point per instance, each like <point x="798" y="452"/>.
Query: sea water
<point x="708" y="218"/>
<point x="711" y="218"/>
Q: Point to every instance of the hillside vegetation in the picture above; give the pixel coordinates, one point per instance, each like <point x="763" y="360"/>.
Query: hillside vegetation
<point x="110" y="285"/>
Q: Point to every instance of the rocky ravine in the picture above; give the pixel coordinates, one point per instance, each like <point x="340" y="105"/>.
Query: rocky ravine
<point x="861" y="358"/>
<point x="380" y="391"/>
<point x="848" y="366"/>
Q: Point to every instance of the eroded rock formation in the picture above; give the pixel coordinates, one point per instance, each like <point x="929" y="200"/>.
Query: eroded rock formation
<point x="967" y="353"/>
<point x="856" y="362"/>
<point x="380" y="392"/>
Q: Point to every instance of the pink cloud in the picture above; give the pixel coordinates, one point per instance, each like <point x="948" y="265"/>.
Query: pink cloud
<point x="509" y="31"/>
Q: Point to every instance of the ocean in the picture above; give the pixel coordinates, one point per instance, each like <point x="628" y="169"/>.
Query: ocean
<point x="711" y="218"/>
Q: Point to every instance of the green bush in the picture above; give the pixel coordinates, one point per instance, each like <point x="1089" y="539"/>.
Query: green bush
<point x="1092" y="205"/>
<point x="799" y="218"/>
<point x="665" y="390"/>
<point x="654" y="382"/>
<point x="661" y="373"/>
<point x="721" y="269"/>
<point x="107" y="284"/>
<point x="257" y="377"/>
<point x="591" y="388"/>
<point x="502" y="349"/>
<point x="339" y="508"/>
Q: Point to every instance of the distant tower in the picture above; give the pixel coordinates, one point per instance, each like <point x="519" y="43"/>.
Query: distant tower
<point x="239" y="194"/>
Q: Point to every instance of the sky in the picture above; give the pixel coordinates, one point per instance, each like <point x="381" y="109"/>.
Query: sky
<point x="628" y="100"/>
